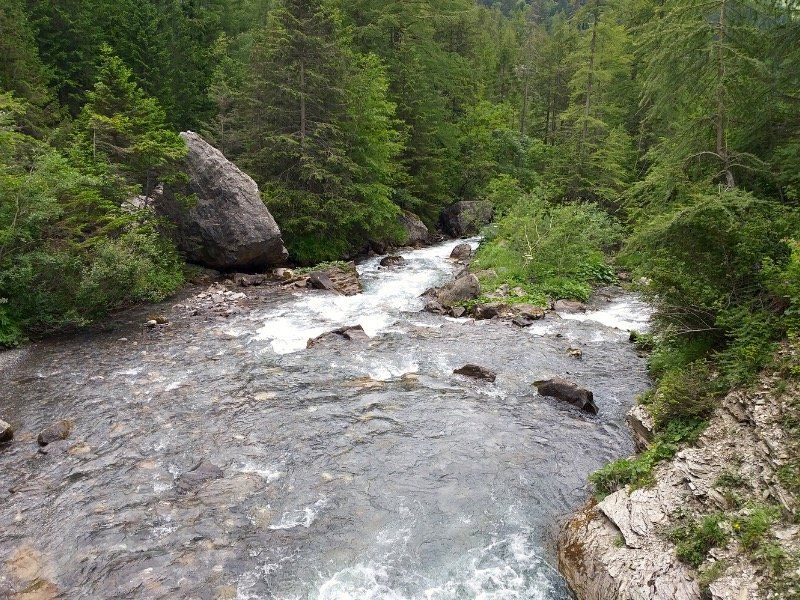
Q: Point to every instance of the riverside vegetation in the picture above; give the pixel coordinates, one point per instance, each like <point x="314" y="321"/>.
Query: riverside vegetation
<point x="655" y="138"/>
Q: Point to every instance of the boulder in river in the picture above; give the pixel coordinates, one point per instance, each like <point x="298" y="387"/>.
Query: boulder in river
<point x="392" y="261"/>
<point x="342" y="279"/>
<point x="568" y="392"/>
<point x="466" y="217"/>
<point x="201" y="473"/>
<point x="569" y="306"/>
<point x="417" y="233"/>
<point x="351" y="333"/>
<point x="6" y="432"/>
<point x="492" y="310"/>
<point x="466" y="287"/>
<point x="461" y="252"/>
<point x="58" y="431"/>
<point x="476" y="372"/>
<point x="219" y="218"/>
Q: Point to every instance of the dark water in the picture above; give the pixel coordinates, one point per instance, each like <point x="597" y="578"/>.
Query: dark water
<point x="352" y="470"/>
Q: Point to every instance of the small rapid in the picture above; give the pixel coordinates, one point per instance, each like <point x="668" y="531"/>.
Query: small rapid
<point x="217" y="457"/>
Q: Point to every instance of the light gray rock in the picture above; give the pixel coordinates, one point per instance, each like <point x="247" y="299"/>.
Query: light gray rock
<point x="641" y="423"/>
<point x="569" y="306"/>
<point x="466" y="287"/>
<point x="461" y="252"/>
<point x="228" y="226"/>
<point x="417" y="233"/>
<point x="6" y="432"/>
<point x="466" y="217"/>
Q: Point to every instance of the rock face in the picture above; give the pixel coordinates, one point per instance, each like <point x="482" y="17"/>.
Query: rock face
<point x="476" y="372"/>
<point x="568" y="392"/>
<point x="6" y="432"/>
<point x="465" y="218"/>
<point x="417" y="233"/>
<point x="466" y="287"/>
<point x="461" y="252"/>
<point x="56" y="432"/>
<point x="228" y="227"/>
<point x="641" y="423"/>
<point x="617" y="548"/>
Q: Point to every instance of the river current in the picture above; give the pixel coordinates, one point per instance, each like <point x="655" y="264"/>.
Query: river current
<point x="362" y="470"/>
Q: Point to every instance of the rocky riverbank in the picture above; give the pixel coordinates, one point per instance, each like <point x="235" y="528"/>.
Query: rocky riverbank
<point x="728" y="496"/>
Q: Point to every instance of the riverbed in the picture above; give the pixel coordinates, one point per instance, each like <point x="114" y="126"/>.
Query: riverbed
<point x="363" y="470"/>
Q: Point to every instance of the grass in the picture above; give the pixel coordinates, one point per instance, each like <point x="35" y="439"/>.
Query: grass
<point x="694" y="539"/>
<point x="324" y="266"/>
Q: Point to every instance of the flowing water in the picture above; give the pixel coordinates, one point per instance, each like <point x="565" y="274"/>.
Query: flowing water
<point x="362" y="470"/>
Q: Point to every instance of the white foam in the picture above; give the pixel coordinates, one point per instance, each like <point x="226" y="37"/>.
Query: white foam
<point x="267" y="473"/>
<point x="387" y="293"/>
<point x="303" y="517"/>
<point x="628" y="315"/>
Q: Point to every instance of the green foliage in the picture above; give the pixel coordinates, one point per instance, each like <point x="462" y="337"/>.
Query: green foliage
<point x="752" y="526"/>
<point x="694" y="539"/>
<point x="685" y="395"/>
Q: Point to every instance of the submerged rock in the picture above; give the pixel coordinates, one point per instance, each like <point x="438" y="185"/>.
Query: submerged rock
<point x="466" y="217"/>
<point x="201" y="473"/>
<point x="351" y="333"/>
<point x="392" y="261"/>
<point x="53" y="433"/>
<point x="6" y="432"/>
<point x="220" y="219"/>
<point x="568" y="392"/>
<point x="417" y="233"/>
<point x="461" y="252"/>
<point x="476" y="372"/>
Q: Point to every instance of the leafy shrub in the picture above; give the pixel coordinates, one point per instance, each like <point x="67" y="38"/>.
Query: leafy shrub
<point x="752" y="527"/>
<point x="684" y="395"/>
<point x="694" y="539"/>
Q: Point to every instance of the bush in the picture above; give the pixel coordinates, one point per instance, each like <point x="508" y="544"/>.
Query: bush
<point x="694" y="539"/>
<point x="685" y="395"/>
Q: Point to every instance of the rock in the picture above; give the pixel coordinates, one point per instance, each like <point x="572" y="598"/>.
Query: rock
<point x="641" y="423"/>
<point x="55" y="432"/>
<point x="568" y="392"/>
<point x="159" y="319"/>
<point x="466" y="217"/>
<point x="201" y="473"/>
<point x="228" y="226"/>
<point x="6" y="432"/>
<point x="283" y="274"/>
<point x="462" y="289"/>
<point x="458" y="311"/>
<point x="249" y="279"/>
<point x="492" y="310"/>
<point x="476" y="372"/>
<point x="151" y="323"/>
<point x="435" y="307"/>
<point x="461" y="252"/>
<point x="527" y="314"/>
<point x="351" y="333"/>
<point x="417" y="233"/>
<point x="575" y="352"/>
<point x="320" y="281"/>
<point x="392" y="261"/>
<point x="569" y="306"/>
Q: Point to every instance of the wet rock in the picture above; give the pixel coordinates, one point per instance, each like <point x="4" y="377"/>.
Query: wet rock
<point x="458" y="311"/>
<point x="283" y="274"/>
<point x="476" y="372"/>
<point x="151" y="323"/>
<point x="435" y="307"/>
<point x="6" y="432"/>
<point x="228" y="226"/>
<point x="200" y="474"/>
<point x="462" y="289"/>
<point x="321" y="281"/>
<point x="249" y="279"/>
<point x="575" y="352"/>
<point x="55" y="432"/>
<point x="461" y="252"/>
<point x="465" y="218"/>
<point x="492" y="310"/>
<point x="350" y="333"/>
<point x="641" y="423"/>
<point x="392" y="261"/>
<point x="568" y="392"/>
<point x="417" y="233"/>
<point x="527" y="314"/>
<point x="569" y="306"/>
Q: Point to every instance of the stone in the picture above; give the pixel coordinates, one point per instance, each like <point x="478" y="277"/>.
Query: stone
<point x="200" y="474"/>
<point x="567" y="391"/>
<point x="159" y="319"/>
<point x="435" y="307"/>
<point x="283" y="274"/>
<point x="527" y="314"/>
<point x="6" y="432"/>
<point x="249" y="279"/>
<point x="466" y="217"/>
<point x="492" y="310"/>
<point x="351" y="333"/>
<point x="417" y="233"/>
<point x="476" y="372"/>
<point x="575" y="352"/>
<point x="462" y="289"/>
<point x="461" y="252"/>
<point x="569" y="306"/>
<point x="458" y="311"/>
<point x="342" y="279"/>
<point x="320" y="281"/>
<point x="58" y="431"/>
<point x="392" y="261"/>
<point x="641" y="423"/>
<point x="151" y="323"/>
<point x="225" y="223"/>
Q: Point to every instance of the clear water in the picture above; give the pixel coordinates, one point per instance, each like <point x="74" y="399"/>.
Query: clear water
<point x="357" y="470"/>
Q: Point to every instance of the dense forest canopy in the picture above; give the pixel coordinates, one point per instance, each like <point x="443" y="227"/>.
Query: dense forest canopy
<point x="664" y="132"/>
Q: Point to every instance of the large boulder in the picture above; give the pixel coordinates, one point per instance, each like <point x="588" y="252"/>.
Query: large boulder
<point x="462" y="252"/>
<point x="465" y="218"/>
<point x="567" y="392"/>
<point x="227" y="226"/>
<point x="417" y="233"/>
<point x="462" y="289"/>
<point x="56" y="432"/>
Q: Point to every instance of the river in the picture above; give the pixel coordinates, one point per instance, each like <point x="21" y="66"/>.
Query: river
<point x="362" y="470"/>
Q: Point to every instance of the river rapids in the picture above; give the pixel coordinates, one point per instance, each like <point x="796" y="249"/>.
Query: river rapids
<point x="361" y="470"/>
